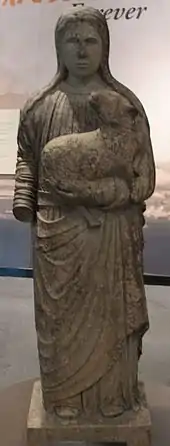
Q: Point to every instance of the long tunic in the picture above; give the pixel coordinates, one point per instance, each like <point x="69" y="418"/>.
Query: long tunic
<point x="88" y="278"/>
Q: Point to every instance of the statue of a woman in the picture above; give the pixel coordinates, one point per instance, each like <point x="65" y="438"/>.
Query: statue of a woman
<point x="90" y="304"/>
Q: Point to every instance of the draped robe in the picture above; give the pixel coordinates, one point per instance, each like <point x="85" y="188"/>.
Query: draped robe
<point x="90" y="304"/>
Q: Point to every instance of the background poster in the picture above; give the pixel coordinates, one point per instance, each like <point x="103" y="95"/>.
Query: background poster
<point x="139" y="58"/>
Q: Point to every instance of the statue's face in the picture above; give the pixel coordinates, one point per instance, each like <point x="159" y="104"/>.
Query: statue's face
<point x="81" y="50"/>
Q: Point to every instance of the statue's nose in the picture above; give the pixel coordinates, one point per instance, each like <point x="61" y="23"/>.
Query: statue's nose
<point x="82" y="50"/>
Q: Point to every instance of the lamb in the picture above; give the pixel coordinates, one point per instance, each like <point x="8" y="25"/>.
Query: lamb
<point x="99" y="154"/>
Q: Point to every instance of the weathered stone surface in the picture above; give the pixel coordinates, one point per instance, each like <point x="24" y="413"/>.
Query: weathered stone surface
<point x="84" y="170"/>
<point x="132" y="428"/>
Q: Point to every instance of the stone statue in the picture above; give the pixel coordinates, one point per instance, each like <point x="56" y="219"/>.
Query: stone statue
<point x="84" y="170"/>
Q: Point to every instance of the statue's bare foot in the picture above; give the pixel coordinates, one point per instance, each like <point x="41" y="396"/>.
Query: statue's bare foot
<point x="112" y="411"/>
<point x="67" y="412"/>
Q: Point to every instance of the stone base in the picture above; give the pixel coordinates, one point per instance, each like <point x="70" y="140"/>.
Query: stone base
<point x="131" y="428"/>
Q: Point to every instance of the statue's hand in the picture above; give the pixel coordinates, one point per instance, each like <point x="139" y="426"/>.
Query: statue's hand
<point x="62" y="192"/>
<point x="67" y="196"/>
<point x="103" y="191"/>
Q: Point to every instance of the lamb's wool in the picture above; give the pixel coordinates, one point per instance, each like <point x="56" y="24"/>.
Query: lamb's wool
<point x="96" y="154"/>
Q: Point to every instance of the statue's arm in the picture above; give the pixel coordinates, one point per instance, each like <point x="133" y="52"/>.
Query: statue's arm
<point x="144" y="167"/>
<point x="24" y="202"/>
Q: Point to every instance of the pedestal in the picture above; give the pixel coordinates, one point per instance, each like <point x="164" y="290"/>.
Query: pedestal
<point x="131" y="428"/>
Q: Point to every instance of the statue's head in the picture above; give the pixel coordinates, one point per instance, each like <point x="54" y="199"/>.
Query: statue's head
<point x="82" y="42"/>
<point x="82" y="45"/>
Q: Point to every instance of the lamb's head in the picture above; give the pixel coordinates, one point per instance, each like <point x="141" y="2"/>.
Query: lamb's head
<point x="111" y="107"/>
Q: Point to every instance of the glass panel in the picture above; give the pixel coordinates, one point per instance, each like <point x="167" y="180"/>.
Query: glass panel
<point x="15" y="237"/>
<point x="157" y="229"/>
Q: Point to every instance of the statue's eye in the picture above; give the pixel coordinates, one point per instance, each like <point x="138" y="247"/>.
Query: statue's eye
<point x="73" y="39"/>
<point x="91" y="41"/>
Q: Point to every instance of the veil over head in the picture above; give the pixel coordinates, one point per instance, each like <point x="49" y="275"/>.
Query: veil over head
<point x="96" y="19"/>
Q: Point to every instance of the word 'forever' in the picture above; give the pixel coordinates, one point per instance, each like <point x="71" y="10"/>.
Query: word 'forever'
<point x="116" y="14"/>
